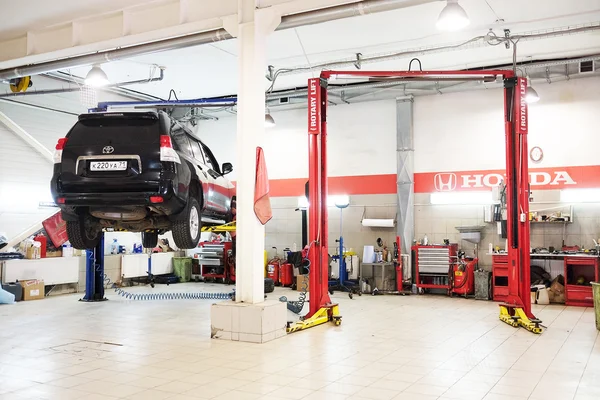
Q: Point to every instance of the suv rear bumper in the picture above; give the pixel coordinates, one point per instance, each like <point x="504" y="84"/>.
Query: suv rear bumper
<point x="70" y="202"/>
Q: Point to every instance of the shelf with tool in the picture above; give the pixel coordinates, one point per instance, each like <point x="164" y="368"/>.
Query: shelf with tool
<point x="214" y="259"/>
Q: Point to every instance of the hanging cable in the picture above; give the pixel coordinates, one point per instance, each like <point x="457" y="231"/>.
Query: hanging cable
<point x="172" y="92"/>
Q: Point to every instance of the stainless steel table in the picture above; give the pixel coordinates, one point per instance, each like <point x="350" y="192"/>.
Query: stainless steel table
<point x="383" y="266"/>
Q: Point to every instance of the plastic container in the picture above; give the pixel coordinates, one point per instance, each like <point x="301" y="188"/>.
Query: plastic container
<point x="542" y="297"/>
<point x="596" y="292"/>
<point x="67" y="250"/>
<point x="37" y="249"/>
<point x="114" y="247"/>
<point x="182" y="268"/>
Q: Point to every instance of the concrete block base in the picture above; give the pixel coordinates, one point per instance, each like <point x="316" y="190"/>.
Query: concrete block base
<point x="256" y="323"/>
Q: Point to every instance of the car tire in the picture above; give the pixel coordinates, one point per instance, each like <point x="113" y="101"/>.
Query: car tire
<point x="269" y="285"/>
<point x="186" y="230"/>
<point x="81" y="235"/>
<point x="149" y="240"/>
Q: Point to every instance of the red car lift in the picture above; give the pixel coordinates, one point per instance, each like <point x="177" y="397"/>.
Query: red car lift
<point x="516" y="311"/>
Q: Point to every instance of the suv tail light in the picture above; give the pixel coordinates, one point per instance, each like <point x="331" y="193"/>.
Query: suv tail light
<point x="167" y="153"/>
<point x="59" y="149"/>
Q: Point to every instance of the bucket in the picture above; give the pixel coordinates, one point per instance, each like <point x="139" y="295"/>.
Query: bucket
<point x="182" y="268"/>
<point x="596" y="291"/>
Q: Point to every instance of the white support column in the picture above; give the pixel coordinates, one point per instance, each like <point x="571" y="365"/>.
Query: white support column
<point x="253" y="27"/>
<point x="250" y="318"/>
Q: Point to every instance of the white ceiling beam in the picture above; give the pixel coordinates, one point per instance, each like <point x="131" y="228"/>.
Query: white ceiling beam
<point x="153" y="21"/>
<point x="25" y="136"/>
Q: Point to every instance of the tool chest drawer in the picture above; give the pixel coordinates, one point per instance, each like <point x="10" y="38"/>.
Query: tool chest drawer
<point x="499" y="277"/>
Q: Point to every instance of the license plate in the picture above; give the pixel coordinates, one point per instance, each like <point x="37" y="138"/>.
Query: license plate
<point x="108" y="165"/>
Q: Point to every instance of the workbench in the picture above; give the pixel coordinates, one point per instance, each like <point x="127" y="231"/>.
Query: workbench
<point x="570" y="266"/>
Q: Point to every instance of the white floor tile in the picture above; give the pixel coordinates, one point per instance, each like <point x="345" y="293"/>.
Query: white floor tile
<point x="388" y="347"/>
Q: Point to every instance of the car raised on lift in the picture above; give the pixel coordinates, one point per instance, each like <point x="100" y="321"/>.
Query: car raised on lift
<point x="140" y="172"/>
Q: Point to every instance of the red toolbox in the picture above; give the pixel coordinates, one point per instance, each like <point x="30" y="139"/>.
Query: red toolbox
<point x="499" y="277"/>
<point x="579" y="272"/>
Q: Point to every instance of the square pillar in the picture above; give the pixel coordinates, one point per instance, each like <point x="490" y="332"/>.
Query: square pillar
<point x="250" y="318"/>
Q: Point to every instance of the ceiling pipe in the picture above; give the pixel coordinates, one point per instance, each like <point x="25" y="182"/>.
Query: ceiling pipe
<point x="76" y="89"/>
<point x="37" y="107"/>
<point x="287" y="22"/>
<point x="299" y="92"/>
<point x="125" y="92"/>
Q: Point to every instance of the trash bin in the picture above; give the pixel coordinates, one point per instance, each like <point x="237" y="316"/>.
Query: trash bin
<point x="182" y="268"/>
<point x="596" y="291"/>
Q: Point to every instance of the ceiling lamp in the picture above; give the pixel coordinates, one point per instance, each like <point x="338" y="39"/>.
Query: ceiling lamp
<point x="531" y="95"/>
<point x="269" y="121"/>
<point x="453" y="17"/>
<point x="96" y="77"/>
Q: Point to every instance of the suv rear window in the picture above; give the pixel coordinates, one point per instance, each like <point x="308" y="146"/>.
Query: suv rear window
<point x="99" y="131"/>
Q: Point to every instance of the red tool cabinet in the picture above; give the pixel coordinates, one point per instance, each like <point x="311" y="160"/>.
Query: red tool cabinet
<point x="500" y="277"/>
<point x="433" y="265"/>
<point x="576" y="268"/>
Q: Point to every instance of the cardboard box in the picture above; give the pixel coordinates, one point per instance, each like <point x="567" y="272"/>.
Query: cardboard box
<point x="300" y="279"/>
<point x="33" y="290"/>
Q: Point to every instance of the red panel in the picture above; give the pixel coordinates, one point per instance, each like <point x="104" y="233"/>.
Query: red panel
<point x="56" y="229"/>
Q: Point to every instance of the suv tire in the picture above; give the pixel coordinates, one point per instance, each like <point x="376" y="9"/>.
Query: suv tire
<point x="149" y="240"/>
<point x="186" y="230"/>
<point x="82" y="237"/>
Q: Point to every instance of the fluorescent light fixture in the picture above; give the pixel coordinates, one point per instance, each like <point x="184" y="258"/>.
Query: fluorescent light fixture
<point x="461" y="198"/>
<point x="453" y="17"/>
<point x="96" y="77"/>
<point x="269" y="121"/>
<point x="580" y="195"/>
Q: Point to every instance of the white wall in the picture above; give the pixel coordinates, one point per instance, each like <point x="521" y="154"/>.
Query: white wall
<point x="24" y="173"/>
<point x="361" y="141"/>
<point x="465" y="131"/>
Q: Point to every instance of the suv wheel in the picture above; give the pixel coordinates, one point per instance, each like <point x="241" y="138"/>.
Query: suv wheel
<point x="186" y="231"/>
<point x="82" y="234"/>
<point x="149" y="240"/>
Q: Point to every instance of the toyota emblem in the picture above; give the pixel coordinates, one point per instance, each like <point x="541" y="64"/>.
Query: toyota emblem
<point x="108" y="149"/>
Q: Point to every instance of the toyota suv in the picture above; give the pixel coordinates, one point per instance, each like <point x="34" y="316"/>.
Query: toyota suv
<point x="140" y="172"/>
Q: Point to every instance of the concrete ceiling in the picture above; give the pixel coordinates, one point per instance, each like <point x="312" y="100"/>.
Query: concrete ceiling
<point x="211" y="70"/>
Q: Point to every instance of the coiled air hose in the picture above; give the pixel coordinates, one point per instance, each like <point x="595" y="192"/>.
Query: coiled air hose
<point x="297" y="306"/>
<point x="167" y="296"/>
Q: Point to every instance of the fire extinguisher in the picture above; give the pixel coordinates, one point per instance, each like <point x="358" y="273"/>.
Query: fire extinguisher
<point x="273" y="268"/>
<point x="286" y="274"/>
<point x="43" y="242"/>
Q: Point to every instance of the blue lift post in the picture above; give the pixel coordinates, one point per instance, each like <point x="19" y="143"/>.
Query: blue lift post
<point x="94" y="273"/>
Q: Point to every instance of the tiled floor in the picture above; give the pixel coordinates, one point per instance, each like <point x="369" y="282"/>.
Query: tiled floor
<point x="388" y="347"/>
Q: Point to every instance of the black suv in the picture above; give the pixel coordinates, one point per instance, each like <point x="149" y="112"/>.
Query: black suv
<point x="140" y="172"/>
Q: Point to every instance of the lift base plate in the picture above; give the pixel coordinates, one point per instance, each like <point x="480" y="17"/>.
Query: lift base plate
<point x="515" y="317"/>
<point x="329" y="312"/>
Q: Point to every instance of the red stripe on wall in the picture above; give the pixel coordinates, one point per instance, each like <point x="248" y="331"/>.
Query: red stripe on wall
<point x="428" y="182"/>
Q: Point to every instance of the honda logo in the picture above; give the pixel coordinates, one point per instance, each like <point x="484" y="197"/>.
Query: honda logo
<point x="445" y="182"/>
<point x="108" y="149"/>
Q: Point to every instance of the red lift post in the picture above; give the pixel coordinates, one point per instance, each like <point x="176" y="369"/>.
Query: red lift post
<point x="516" y="311"/>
